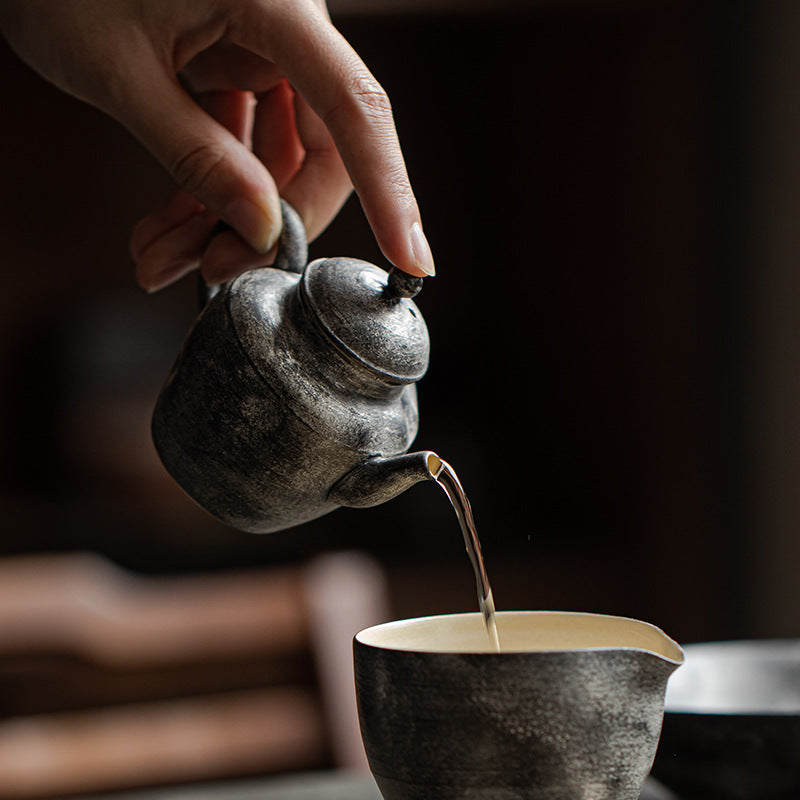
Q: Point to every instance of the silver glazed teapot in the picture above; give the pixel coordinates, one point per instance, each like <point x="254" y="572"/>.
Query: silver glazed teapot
<point x="294" y="391"/>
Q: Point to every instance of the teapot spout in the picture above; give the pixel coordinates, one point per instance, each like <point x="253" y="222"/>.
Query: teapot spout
<point x="378" y="479"/>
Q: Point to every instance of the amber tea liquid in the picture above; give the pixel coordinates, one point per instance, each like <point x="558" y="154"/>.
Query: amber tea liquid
<point x="448" y="480"/>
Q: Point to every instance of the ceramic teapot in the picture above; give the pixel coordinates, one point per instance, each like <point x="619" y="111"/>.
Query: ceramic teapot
<point x="294" y="391"/>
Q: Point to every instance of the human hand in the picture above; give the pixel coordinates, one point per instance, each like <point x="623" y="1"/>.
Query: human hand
<point x="232" y="158"/>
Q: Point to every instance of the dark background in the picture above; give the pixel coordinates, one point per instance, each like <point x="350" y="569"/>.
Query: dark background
<point x="586" y="174"/>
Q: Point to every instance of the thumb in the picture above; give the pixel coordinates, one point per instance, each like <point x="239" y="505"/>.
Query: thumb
<point x="202" y="156"/>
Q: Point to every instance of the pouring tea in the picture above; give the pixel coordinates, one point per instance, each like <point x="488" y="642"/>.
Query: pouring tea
<point x="295" y="394"/>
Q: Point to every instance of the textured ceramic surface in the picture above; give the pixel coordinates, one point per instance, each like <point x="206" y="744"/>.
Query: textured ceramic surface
<point x="294" y="392"/>
<point x="732" y="727"/>
<point x="571" y="710"/>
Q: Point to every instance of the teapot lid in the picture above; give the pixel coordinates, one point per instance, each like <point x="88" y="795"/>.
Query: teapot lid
<point x="350" y="301"/>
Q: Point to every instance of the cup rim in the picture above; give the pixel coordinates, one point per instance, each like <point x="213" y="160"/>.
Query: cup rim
<point x="667" y="649"/>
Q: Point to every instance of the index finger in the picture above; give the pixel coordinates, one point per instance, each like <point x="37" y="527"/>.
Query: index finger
<point x="336" y="83"/>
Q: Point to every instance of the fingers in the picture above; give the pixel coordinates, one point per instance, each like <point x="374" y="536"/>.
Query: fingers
<point x="297" y="149"/>
<point x="289" y="140"/>
<point x="183" y="249"/>
<point x="175" y="253"/>
<point x="321" y="185"/>
<point x="277" y="145"/>
<point x="227" y="255"/>
<point x="225" y="66"/>
<point x="331" y="77"/>
<point x="275" y="138"/>
<point x="177" y="208"/>
<point x="233" y="110"/>
<point x="206" y="159"/>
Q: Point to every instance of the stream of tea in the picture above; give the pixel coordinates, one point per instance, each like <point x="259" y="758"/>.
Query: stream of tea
<point x="448" y="480"/>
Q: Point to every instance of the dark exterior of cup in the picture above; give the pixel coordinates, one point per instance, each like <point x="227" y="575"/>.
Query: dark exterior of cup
<point x="571" y="725"/>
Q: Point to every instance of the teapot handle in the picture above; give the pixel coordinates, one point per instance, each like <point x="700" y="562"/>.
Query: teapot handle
<point x="292" y="249"/>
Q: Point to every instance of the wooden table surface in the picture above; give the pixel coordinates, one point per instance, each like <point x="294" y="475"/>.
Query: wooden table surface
<point x="307" y="786"/>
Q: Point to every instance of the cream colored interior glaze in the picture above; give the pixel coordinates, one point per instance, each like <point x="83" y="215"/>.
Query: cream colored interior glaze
<point x="522" y="632"/>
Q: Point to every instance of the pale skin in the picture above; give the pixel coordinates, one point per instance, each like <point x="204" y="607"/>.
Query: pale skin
<point x="243" y="102"/>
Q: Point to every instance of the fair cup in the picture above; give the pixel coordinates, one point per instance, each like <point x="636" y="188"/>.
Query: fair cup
<point x="571" y="709"/>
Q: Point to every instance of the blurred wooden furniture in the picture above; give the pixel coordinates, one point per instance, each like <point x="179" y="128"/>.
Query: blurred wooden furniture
<point x="110" y="680"/>
<point x="318" y="785"/>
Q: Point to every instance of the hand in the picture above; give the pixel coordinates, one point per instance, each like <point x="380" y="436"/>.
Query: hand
<point x="280" y="104"/>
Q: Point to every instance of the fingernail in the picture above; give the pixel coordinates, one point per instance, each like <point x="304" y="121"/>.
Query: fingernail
<point x="155" y="283"/>
<point x="423" y="257"/>
<point x="256" y="225"/>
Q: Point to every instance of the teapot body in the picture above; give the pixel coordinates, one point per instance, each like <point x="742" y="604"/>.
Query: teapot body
<point x="264" y="412"/>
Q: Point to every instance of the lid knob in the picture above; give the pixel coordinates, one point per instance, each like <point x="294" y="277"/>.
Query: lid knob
<point x="400" y="284"/>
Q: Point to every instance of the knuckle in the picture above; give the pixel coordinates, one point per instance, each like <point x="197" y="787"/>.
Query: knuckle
<point x="369" y="94"/>
<point x="363" y="97"/>
<point x="194" y="168"/>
